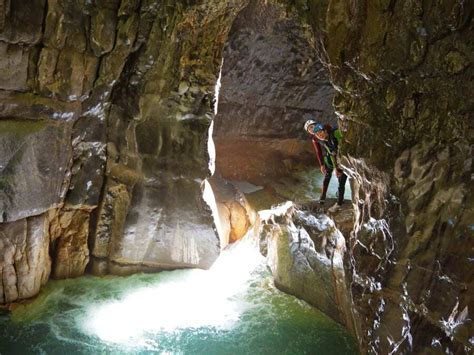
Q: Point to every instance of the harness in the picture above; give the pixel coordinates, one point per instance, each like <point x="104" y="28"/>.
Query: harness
<point x="330" y="147"/>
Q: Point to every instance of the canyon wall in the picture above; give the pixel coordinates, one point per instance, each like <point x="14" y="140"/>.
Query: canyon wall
<point x="104" y="113"/>
<point x="403" y="74"/>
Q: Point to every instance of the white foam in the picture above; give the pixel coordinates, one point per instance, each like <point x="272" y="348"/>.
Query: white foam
<point x="191" y="299"/>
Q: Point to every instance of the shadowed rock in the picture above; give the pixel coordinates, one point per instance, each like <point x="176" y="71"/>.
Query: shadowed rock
<point x="69" y="231"/>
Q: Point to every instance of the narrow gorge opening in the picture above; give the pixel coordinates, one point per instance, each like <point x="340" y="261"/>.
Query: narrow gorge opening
<point x="271" y="82"/>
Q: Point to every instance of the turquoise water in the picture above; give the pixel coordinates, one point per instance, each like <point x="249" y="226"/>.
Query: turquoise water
<point x="231" y="309"/>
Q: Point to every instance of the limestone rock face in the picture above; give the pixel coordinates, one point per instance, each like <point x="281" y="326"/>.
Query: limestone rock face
<point x="14" y="67"/>
<point x="111" y="219"/>
<point x="272" y="82"/>
<point x="403" y="72"/>
<point x="306" y="256"/>
<point x="34" y="159"/>
<point x="104" y="112"/>
<point x="25" y="264"/>
<point x="156" y="147"/>
<point x="19" y="21"/>
<point x="88" y="162"/>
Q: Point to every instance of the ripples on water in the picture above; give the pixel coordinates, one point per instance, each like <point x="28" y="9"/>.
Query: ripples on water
<point x="233" y="308"/>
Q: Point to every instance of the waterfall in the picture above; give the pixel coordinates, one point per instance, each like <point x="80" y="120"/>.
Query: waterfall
<point x="190" y="299"/>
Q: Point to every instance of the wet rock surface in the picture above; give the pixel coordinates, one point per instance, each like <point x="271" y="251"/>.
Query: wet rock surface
<point x="34" y="160"/>
<point x="158" y="122"/>
<point x="104" y="111"/>
<point x="306" y="254"/>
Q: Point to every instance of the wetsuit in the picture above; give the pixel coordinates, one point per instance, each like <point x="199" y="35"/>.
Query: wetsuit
<point x="326" y="152"/>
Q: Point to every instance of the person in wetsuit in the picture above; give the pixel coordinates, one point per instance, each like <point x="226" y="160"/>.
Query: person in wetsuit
<point x="326" y="140"/>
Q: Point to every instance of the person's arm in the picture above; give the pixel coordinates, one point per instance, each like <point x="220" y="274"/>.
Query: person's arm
<point x="319" y="154"/>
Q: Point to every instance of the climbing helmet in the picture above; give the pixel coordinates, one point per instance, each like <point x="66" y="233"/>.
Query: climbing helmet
<point x="308" y="123"/>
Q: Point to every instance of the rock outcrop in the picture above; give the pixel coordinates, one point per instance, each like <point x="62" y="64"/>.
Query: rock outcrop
<point x="69" y="232"/>
<point x="25" y="264"/>
<point x="34" y="160"/>
<point x="306" y="256"/>
<point x="152" y="214"/>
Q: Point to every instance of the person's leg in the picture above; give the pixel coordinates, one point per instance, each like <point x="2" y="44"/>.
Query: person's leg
<point x="327" y="179"/>
<point x="341" y="189"/>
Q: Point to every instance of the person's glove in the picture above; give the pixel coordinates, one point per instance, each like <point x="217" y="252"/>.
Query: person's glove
<point x="323" y="170"/>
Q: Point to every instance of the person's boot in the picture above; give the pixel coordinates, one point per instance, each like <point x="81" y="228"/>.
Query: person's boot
<point x="322" y="199"/>
<point x="335" y="208"/>
<point x="340" y="200"/>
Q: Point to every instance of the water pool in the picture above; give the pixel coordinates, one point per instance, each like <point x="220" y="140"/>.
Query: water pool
<point x="233" y="308"/>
